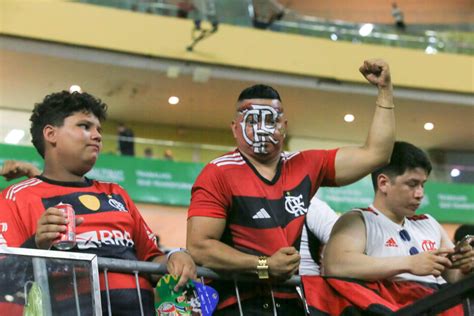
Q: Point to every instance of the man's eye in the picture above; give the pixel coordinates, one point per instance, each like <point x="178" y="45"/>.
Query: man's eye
<point x="84" y="126"/>
<point x="270" y="121"/>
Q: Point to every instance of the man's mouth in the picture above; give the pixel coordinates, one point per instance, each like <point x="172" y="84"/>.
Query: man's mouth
<point x="96" y="147"/>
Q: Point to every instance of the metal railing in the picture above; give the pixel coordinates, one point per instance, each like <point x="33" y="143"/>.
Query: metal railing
<point x="137" y="267"/>
<point x="430" y="38"/>
<point x="447" y="297"/>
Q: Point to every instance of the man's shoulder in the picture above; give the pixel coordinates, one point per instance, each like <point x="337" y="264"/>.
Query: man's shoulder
<point x="309" y="155"/>
<point x="229" y="160"/>
<point x="366" y="210"/>
<point x="22" y="189"/>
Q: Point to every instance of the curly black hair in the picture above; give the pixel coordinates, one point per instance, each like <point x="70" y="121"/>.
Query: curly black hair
<point x="405" y="156"/>
<point x="56" y="107"/>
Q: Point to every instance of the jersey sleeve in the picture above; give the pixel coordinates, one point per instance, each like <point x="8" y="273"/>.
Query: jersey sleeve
<point x="321" y="167"/>
<point x="143" y="237"/>
<point x="13" y="233"/>
<point x="320" y="219"/>
<point x="209" y="195"/>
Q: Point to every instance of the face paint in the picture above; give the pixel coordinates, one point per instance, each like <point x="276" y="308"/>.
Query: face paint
<point x="259" y="123"/>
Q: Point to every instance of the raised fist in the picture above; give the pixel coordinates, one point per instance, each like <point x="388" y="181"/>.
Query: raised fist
<point x="377" y="72"/>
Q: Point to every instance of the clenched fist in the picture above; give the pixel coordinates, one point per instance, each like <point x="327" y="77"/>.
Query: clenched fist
<point x="377" y="72"/>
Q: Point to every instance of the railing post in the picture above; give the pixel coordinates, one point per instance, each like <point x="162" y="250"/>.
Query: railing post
<point x="41" y="277"/>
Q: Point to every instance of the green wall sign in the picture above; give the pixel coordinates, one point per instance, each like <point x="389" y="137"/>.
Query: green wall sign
<point x="169" y="182"/>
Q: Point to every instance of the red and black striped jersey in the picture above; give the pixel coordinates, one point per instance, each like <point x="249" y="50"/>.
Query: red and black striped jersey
<point x="112" y="227"/>
<point x="262" y="216"/>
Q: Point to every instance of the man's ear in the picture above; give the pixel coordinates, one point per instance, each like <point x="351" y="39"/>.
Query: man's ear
<point x="50" y="134"/>
<point x="285" y="128"/>
<point x="383" y="181"/>
<point x="234" y="126"/>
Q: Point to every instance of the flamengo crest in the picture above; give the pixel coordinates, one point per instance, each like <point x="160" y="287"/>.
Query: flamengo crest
<point x="295" y="205"/>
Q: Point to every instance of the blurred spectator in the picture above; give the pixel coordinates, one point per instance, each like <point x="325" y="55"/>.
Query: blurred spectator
<point x="148" y="152"/>
<point x="168" y="155"/>
<point x="126" y="142"/>
<point x="184" y="8"/>
<point x="265" y="12"/>
<point x="206" y="9"/>
<point x="148" y="4"/>
<point x="398" y="16"/>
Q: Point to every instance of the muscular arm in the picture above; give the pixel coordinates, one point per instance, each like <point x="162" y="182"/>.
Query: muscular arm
<point x="353" y="163"/>
<point x="203" y="241"/>
<point x="344" y="255"/>
<point x="203" y="234"/>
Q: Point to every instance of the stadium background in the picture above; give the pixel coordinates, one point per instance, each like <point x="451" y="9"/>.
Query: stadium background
<point x="135" y="61"/>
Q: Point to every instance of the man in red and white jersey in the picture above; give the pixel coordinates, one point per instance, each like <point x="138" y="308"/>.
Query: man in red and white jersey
<point x="387" y="241"/>
<point x="66" y="131"/>
<point x="248" y="206"/>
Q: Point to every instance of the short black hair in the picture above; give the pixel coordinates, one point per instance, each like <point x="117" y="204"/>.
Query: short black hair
<point x="259" y="91"/>
<point x="56" y="107"/>
<point x="405" y="156"/>
<point x="462" y="231"/>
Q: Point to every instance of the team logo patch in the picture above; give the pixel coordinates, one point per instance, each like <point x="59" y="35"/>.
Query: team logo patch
<point x="90" y="201"/>
<point x="428" y="245"/>
<point x="118" y="205"/>
<point x="295" y="205"/>
<point x="391" y="243"/>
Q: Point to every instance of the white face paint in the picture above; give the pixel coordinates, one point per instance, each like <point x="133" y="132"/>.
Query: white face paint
<point x="259" y="124"/>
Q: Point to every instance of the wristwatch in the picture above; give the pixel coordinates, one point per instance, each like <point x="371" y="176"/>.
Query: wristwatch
<point x="262" y="267"/>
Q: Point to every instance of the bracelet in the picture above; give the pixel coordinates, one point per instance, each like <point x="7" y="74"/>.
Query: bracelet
<point x="262" y="268"/>
<point x="175" y="250"/>
<point x="385" y="107"/>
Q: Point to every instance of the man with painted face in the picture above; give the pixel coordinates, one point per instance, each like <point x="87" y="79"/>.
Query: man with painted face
<point x="248" y="206"/>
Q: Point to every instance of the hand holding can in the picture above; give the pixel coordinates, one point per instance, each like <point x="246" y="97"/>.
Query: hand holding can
<point x="66" y="239"/>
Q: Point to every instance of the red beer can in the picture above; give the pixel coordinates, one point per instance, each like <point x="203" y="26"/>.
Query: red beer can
<point x="67" y="239"/>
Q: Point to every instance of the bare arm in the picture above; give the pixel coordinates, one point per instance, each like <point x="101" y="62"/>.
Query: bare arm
<point x="13" y="169"/>
<point x="344" y="255"/>
<point x="203" y="241"/>
<point x="353" y="163"/>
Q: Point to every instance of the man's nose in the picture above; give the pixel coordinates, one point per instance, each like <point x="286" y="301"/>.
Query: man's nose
<point x="96" y="135"/>
<point x="419" y="192"/>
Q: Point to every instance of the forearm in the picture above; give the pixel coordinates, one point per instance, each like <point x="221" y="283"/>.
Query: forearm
<point x="364" y="267"/>
<point x="160" y="259"/>
<point x="382" y="130"/>
<point x="214" y="254"/>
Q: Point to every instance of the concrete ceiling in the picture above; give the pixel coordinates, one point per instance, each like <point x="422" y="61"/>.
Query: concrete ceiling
<point x="137" y="88"/>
